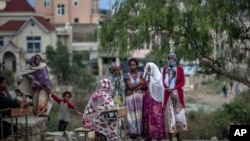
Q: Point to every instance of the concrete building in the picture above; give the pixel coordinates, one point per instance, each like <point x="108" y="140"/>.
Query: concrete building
<point x="71" y="11"/>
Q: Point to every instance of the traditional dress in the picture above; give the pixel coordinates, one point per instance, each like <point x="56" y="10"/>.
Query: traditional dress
<point x="174" y="80"/>
<point x="35" y="81"/>
<point x="134" y="101"/>
<point x="100" y="101"/>
<point x="153" y="115"/>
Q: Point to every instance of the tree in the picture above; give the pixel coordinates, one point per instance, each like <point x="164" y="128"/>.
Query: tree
<point x="66" y="70"/>
<point x="197" y="29"/>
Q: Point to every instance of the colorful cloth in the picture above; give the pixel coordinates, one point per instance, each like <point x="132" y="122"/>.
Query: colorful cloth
<point x="153" y="117"/>
<point x="134" y="103"/>
<point x="174" y="106"/>
<point x="100" y="101"/>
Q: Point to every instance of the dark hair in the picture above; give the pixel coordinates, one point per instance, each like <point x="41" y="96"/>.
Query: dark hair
<point x="1" y="79"/>
<point x="133" y="60"/>
<point x="67" y="92"/>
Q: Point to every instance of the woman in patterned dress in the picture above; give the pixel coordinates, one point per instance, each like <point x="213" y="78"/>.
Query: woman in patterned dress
<point x="174" y="106"/>
<point x="153" y="115"/>
<point x="134" y="96"/>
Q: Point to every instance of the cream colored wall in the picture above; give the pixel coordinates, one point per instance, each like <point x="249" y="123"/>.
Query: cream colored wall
<point x="46" y="38"/>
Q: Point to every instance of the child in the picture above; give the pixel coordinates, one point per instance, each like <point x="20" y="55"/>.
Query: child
<point x="64" y="110"/>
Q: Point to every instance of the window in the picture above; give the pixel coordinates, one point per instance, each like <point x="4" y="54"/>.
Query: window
<point x="1" y="41"/>
<point x="76" y="20"/>
<point x="33" y="44"/>
<point x="46" y="3"/>
<point x="60" y="9"/>
<point x="75" y="3"/>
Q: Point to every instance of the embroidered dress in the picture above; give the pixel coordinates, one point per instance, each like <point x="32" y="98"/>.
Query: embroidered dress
<point x="134" y="102"/>
<point x="100" y="101"/>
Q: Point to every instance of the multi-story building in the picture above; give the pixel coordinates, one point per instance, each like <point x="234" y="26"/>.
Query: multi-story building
<point x="71" y="11"/>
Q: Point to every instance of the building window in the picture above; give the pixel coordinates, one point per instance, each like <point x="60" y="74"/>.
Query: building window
<point x="60" y="9"/>
<point x="46" y="3"/>
<point x="33" y="44"/>
<point x="75" y="3"/>
<point x="1" y="41"/>
<point x="76" y="20"/>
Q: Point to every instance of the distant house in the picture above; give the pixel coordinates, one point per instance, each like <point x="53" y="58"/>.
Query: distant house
<point x="23" y="33"/>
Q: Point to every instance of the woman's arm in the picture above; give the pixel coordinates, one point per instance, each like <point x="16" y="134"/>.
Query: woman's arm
<point x="181" y="83"/>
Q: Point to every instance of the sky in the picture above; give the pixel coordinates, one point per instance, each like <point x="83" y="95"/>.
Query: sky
<point x="104" y="4"/>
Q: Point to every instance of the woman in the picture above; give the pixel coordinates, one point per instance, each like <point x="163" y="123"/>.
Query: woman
<point x="34" y="79"/>
<point x="134" y="95"/>
<point x="117" y="84"/>
<point x="174" y="80"/>
<point x="100" y="101"/>
<point x="153" y="115"/>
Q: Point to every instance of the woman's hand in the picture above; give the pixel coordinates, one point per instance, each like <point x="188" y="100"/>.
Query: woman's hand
<point x="168" y="90"/>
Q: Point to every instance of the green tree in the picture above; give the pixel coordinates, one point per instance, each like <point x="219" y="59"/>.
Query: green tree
<point x="68" y="68"/>
<point x="195" y="28"/>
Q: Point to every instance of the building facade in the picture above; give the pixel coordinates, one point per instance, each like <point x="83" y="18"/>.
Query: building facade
<point x="69" y="11"/>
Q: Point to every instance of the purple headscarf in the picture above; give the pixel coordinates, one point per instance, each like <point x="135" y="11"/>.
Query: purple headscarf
<point x="41" y="75"/>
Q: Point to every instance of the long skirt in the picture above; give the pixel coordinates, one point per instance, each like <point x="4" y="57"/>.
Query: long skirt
<point x="153" y="118"/>
<point x="42" y="103"/>
<point x="175" y="118"/>
<point x="134" y="104"/>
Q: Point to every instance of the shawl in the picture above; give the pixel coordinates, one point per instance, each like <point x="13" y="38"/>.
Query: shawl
<point x="99" y="101"/>
<point x="156" y="88"/>
<point x="38" y="74"/>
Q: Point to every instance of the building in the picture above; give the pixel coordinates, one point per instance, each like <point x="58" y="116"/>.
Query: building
<point x="69" y="11"/>
<point x="24" y="32"/>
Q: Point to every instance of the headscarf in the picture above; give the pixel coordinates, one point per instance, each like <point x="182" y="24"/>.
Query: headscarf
<point x="156" y="88"/>
<point x="172" y="63"/>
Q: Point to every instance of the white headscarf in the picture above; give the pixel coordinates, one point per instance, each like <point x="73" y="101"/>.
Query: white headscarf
<point x="156" y="88"/>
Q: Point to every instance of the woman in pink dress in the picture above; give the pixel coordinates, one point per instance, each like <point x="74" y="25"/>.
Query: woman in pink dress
<point x="153" y="115"/>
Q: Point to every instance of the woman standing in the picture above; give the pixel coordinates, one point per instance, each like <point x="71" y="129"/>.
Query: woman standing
<point x="35" y="78"/>
<point x="174" y="80"/>
<point x="153" y="115"/>
<point x="134" y="95"/>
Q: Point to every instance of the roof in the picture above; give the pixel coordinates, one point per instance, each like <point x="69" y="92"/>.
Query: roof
<point x="45" y="23"/>
<point x="15" y="25"/>
<point x="18" y="6"/>
<point x="12" y="25"/>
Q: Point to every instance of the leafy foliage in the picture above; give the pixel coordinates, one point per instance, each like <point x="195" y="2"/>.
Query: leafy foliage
<point x="68" y="69"/>
<point x="196" y="29"/>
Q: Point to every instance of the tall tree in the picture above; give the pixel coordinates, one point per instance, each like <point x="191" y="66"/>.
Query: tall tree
<point x="68" y="68"/>
<point x="197" y="29"/>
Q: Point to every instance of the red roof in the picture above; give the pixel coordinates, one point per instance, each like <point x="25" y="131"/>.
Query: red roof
<point x="18" y="6"/>
<point x="12" y="25"/>
<point x="45" y="23"/>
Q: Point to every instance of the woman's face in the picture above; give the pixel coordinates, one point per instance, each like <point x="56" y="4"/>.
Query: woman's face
<point x="37" y="60"/>
<point x="132" y="65"/>
<point x="149" y="69"/>
<point x="117" y="70"/>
